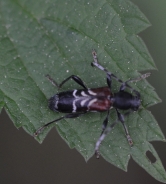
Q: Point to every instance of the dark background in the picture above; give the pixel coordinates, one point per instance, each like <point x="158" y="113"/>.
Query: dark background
<point x="23" y="160"/>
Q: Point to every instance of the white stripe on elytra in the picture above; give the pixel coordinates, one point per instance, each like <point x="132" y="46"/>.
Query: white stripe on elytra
<point x="84" y="101"/>
<point x="74" y="101"/>
<point x="83" y="93"/>
<point x="91" y="102"/>
<point x="92" y="93"/>
<point x="57" y="101"/>
<point x="74" y="106"/>
<point x="74" y="93"/>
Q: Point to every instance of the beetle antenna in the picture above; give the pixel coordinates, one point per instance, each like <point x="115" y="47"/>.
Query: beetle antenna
<point x="143" y="76"/>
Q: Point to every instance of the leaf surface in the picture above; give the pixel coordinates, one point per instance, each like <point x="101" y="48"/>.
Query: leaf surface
<point x="56" y="38"/>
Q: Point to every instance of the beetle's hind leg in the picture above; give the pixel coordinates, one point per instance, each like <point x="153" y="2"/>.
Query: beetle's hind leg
<point x="51" y="80"/>
<point x="71" y="115"/>
<point x="77" y="79"/>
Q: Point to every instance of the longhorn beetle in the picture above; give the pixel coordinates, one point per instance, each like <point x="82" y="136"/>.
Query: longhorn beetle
<point x="78" y="102"/>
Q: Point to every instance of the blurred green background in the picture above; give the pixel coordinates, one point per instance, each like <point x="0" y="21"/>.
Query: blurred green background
<point x="23" y="160"/>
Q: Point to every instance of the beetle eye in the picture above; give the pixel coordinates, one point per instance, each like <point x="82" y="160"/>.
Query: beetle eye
<point x="135" y="103"/>
<point x="135" y="108"/>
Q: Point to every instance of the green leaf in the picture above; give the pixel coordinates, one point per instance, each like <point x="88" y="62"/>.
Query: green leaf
<point x="56" y="37"/>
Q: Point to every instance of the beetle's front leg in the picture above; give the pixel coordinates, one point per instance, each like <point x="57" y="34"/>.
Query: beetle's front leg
<point x="121" y="119"/>
<point x="95" y="63"/>
<point x="108" y="129"/>
<point x="110" y="75"/>
<point x="125" y="84"/>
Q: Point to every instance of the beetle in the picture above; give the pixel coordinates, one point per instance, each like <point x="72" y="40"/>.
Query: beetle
<point x="80" y="101"/>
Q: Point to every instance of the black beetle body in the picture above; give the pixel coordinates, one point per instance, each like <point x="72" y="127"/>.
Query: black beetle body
<point x="78" y="102"/>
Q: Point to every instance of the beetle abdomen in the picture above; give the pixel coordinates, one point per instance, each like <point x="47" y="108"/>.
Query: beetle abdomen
<point x="82" y="100"/>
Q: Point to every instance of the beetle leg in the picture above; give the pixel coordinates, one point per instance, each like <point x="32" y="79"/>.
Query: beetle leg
<point x="121" y="119"/>
<point x="72" y="115"/>
<point x="74" y="77"/>
<point x="105" y="122"/>
<point x="125" y="84"/>
<point x="101" y="138"/>
<point x="107" y="130"/>
<point x="51" y="80"/>
<point x="109" y="75"/>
